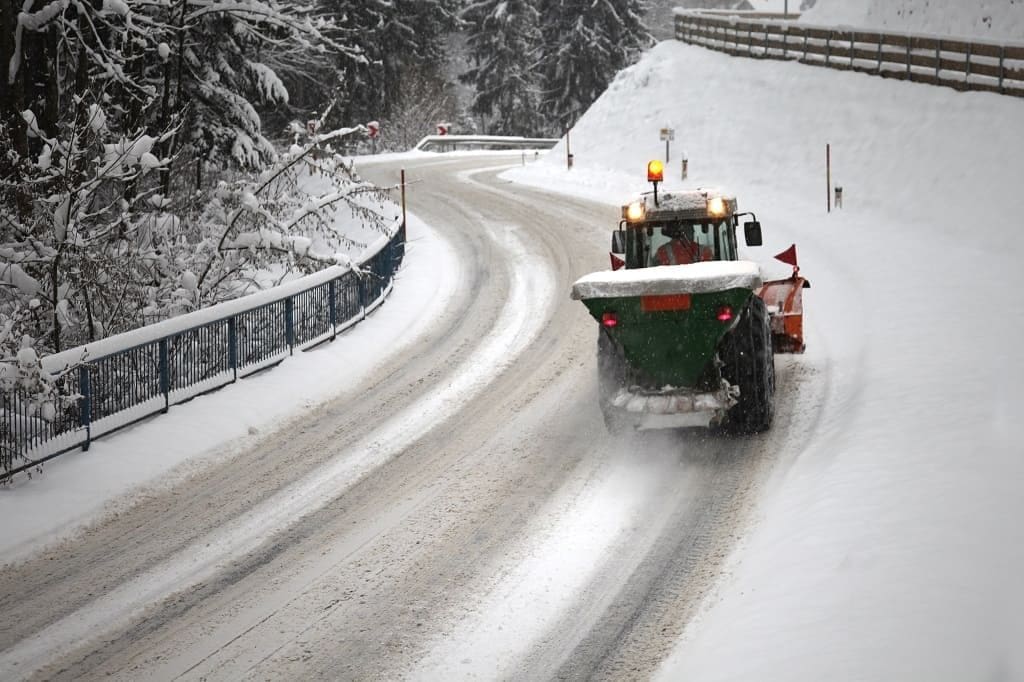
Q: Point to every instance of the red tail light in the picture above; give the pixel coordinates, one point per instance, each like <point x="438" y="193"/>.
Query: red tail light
<point x="610" y="320"/>
<point x="724" y="313"/>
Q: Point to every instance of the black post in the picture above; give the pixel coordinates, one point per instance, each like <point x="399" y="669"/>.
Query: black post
<point x="233" y="347"/>
<point x="85" y="413"/>
<point x="165" y="375"/>
<point x="332" y="296"/>
<point x="289" y="324"/>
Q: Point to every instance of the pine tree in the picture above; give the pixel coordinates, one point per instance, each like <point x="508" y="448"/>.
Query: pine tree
<point x="401" y="44"/>
<point x="104" y="104"/>
<point x="585" y="43"/>
<point x="223" y="61"/>
<point x="503" y="40"/>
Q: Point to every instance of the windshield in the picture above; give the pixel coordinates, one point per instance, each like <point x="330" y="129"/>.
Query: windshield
<point x="680" y="243"/>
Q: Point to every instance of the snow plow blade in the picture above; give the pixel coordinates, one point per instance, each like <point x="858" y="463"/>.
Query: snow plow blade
<point x="784" y="300"/>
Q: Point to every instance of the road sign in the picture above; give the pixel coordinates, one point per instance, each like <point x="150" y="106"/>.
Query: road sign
<point x="312" y="126"/>
<point x="373" y="129"/>
<point x="443" y="128"/>
<point x="667" y="135"/>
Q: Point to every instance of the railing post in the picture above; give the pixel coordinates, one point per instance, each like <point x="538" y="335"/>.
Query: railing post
<point x="967" y="63"/>
<point x="332" y="301"/>
<point x="393" y="257"/>
<point x="1002" y="67"/>
<point x="879" y="53"/>
<point x="938" y="57"/>
<point x="908" y="57"/>
<point x="233" y="346"/>
<point x="289" y="324"/>
<point x="85" y="411"/>
<point x="165" y="374"/>
<point x="828" y="48"/>
<point x="404" y="215"/>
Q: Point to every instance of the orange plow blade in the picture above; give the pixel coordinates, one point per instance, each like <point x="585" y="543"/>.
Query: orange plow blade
<point x="784" y="300"/>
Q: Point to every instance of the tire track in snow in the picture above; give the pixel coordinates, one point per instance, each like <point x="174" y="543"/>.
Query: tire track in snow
<point x="531" y="289"/>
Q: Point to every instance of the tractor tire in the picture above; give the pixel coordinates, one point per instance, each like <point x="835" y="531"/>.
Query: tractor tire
<point x="749" y="362"/>
<point x="612" y="375"/>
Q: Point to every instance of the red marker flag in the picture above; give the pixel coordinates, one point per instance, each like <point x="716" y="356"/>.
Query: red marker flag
<point x="788" y="256"/>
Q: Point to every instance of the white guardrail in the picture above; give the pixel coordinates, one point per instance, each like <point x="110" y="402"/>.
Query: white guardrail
<point x="447" y="143"/>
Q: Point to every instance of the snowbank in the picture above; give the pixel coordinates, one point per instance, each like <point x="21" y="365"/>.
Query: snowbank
<point x="888" y="546"/>
<point x="991" y="19"/>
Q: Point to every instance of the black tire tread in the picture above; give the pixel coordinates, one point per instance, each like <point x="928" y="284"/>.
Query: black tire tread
<point x="750" y="364"/>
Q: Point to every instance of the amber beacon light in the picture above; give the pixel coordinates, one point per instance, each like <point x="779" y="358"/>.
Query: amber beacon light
<point x="655" y="171"/>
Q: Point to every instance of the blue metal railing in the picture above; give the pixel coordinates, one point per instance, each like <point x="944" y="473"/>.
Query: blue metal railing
<point x="135" y="381"/>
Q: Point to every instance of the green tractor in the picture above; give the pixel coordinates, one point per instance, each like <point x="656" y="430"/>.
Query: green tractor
<point x="688" y="332"/>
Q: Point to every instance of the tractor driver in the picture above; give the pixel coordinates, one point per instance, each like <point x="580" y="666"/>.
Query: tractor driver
<point x="681" y="249"/>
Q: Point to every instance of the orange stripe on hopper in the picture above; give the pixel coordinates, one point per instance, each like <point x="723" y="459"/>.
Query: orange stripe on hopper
<point x="654" y="304"/>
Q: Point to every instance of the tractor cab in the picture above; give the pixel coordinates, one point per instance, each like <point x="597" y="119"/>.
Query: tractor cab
<point x="696" y="226"/>
<point x="679" y="228"/>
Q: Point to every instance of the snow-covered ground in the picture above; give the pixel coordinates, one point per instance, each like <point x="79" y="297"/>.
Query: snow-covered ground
<point x="891" y="548"/>
<point x="79" y="486"/>
<point x="991" y="19"/>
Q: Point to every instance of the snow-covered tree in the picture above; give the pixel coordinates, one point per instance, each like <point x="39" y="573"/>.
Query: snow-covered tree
<point x="104" y="103"/>
<point x="402" y="44"/>
<point x="222" y="61"/>
<point x="106" y="109"/>
<point x="426" y="100"/>
<point x="503" y="41"/>
<point x="585" y="43"/>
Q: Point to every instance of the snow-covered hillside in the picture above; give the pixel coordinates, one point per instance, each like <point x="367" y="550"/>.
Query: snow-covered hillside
<point x="993" y="19"/>
<point x="890" y="546"/>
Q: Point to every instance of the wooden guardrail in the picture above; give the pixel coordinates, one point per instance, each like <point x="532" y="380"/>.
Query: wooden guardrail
<point x="952" y="62"/>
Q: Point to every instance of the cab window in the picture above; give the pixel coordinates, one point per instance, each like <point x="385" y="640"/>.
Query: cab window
<point x="680" y="242"/>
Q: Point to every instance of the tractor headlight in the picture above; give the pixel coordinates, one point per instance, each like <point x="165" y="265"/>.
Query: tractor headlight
<point x="635" y="211"/>
<point x="717" y="208"/>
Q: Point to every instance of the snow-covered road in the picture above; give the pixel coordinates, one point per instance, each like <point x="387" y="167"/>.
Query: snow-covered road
<point x="461" y="514"/>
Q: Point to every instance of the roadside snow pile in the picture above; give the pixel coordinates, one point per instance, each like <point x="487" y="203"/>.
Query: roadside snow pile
<point x="991" y="19"/>
<point x="888" y="543"/>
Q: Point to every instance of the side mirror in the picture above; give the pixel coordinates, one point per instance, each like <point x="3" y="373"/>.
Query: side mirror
<point x="752" y="233"/>
<point x="619" y="241"/>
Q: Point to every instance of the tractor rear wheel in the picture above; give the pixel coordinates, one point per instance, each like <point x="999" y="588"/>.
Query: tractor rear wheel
<point x="750" y="364"/>
<point x="611" y="378"/>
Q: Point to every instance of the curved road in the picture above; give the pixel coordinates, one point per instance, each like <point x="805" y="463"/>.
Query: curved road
<point x="464" y="514"/>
